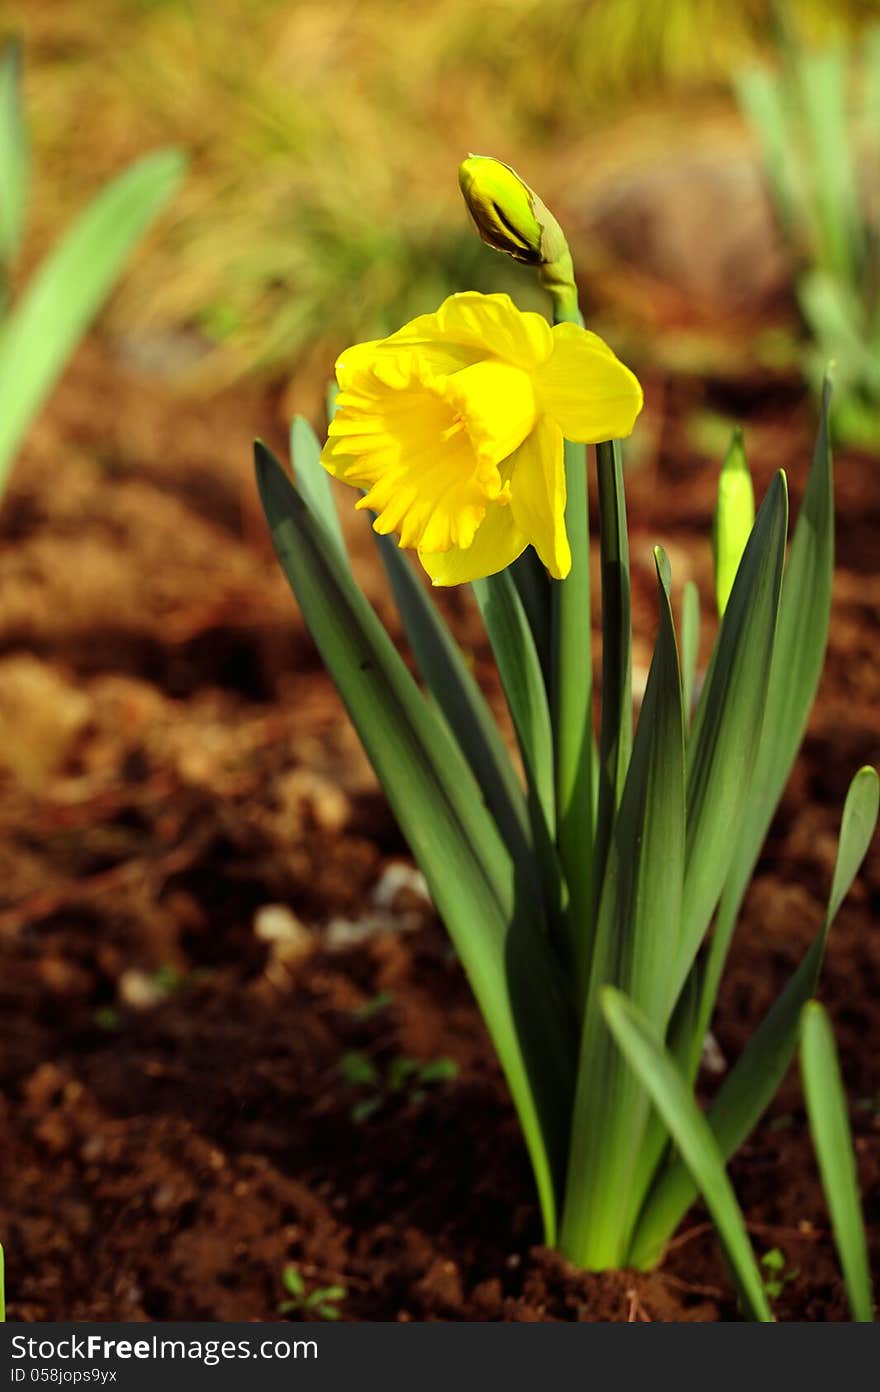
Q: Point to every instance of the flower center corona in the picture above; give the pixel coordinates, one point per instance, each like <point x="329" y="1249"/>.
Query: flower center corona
<point x="496" y="403"/>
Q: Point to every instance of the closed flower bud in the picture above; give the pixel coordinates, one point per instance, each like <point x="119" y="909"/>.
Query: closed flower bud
<point x="508" y="214"/>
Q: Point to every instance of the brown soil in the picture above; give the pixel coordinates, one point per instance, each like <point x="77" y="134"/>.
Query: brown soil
<point x="178" y="1124"/>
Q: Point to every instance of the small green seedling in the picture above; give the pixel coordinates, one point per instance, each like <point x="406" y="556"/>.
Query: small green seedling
<point x="322" y="1303"/>
<point x="776" y="1274"/>
<point x="374" y="1006"/>
<point x="403" y="1076"/>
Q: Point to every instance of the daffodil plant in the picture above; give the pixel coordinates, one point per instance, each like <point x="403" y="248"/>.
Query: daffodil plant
<point x="592" y="901"/>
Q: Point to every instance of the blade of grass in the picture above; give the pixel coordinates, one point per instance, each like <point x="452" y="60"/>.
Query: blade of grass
<point x="644" y="1051"/>
<point x="829" y="1124"/>
<point x="640" y="907"/>
<point x="69" y="288"/>
<point x="489" y="910"/>
<point x="751" y="1084"/>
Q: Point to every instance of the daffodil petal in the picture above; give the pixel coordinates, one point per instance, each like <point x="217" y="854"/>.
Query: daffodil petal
<point x="587" y="390"/>
<point x="497" y="542"/>
<point x="493" y="324"/>
<point x="497" y="404"/>
<point x="413" y="344"/>
<point x="537" y="495"/>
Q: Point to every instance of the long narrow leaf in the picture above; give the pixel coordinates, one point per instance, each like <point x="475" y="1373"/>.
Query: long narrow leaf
<point x="519" y="667"/>
<point x="69" y="288"/>
<point x="829" y="1123"/>
<point x="312" y="479"/>
<point x="751" y="1084"/>
<point x="798" y="656"/>
<point x="475" y="882"/>
<point x="571" y="694"/>
<point x="533" y="586"/>
<point x="760" y="96"/>
<point x="462" y="702"/>
<point x="636" y="928"/>
<point x="823" y="78"/>
<point x="615" y="737"/>
<point x="690" y="645"/>
<point x="644" y="1051"/>
<point x="727" y="726"/>
<point x="13" y="155"/>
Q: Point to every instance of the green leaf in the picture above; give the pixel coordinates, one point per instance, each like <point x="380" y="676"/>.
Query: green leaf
<point x="358" y="1069"/>
<point x="727" y="727"/>
<point x="533" y="586"/>
<point x="644" y="1051"/>
<point x="615" y="738"/>
<point x="829" y="1124"/>
<point x="292" y="1280"/>
<point x="760" y="98"/>
<point x="13" y="154"/>
<point x="519" y="668"/>
<point x="462" y="703"/>
<point x="752" y="1082"/>
<point x="638" y="914"/>
<point x="690" y="645"/>
<point x="824" y="81"/>
<point x="733" y="519"/>
<point x="69" y="288"/>
<point x="571" y="695"/>
<point x="312" y="479"/>
<point x="798" y="656"/>
<point x="480" y="891"/>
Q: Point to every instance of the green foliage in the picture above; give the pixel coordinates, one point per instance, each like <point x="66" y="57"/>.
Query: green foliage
<point x="818" y="124"/>
<point x="39" y="330"/>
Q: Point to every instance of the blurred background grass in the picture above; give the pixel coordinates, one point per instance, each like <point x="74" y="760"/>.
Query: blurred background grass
<point x="322" y="204"/>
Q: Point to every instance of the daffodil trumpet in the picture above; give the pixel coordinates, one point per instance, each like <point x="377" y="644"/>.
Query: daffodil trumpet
<point x="578" y="886"/>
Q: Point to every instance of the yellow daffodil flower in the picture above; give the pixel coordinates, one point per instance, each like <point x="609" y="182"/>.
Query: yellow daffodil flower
<point x="454" y="427"/>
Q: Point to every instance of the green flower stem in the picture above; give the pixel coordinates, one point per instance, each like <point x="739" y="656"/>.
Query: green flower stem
<point x="572" y="679"/>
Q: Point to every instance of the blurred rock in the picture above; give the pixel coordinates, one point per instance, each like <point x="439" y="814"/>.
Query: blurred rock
<point x="701" y="226"/>
<point x="41" y="715"/>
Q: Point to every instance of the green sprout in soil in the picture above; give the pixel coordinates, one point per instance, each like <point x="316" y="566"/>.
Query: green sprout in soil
<point x="404" y="1078"/>
<point x="374" y="1006"/>
<point x="776" y="1274"/>
<point x="321" y="1303"/>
